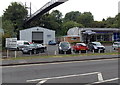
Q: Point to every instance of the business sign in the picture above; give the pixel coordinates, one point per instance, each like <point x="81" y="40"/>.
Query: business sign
<point x="11" y="42"/>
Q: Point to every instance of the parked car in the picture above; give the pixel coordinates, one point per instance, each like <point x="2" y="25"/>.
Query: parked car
<point x="96" y="47"/>
<point x="34" y="48"/>
<point x="116" y="45"/>
<point x="80" y="47"/>
<point x="21" y="44"/>
<point x="64" y="47"/>
<point x="51" y="42"/>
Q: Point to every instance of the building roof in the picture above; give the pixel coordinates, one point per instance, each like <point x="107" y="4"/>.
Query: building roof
<point x="93" y="29"/>
<point x="77" y="30"/>
<point x="37" y="29"/>
<point x="71" y="36"/>
<point x="101" y="29"/>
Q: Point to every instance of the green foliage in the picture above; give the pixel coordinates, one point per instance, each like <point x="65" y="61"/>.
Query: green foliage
<point x="8" y="27"/>
<point x="118" y="19"/>
<point x="98" y="24"/>
<point x="72" y="16"/>
<point x="15" y="15"/>
<point x="86" y="19"/>
<point x="12" y="20"/>
<point x="70" y="24"/>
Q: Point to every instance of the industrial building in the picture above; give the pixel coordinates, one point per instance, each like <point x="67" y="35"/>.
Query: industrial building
<point x="94" y="34"/>
<point x="37" y="35"/>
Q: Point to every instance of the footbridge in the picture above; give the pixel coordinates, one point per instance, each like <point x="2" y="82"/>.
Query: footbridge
<point x="48" y="6"/>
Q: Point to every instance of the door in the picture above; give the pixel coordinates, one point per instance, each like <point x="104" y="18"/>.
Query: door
<point x="37" y="37"/>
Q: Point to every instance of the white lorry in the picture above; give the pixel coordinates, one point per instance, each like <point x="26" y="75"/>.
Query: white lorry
<point x="21" y="44"/>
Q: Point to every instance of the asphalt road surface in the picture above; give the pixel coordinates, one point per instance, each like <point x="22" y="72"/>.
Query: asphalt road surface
<point x="87" y="72"/>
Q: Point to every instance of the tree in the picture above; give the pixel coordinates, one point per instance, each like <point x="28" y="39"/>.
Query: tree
<point x="86" y="19"/>
<point x="16" y="14"/>
<point x="72" y="16"/>
<point x="70" y="24"/>
<point x="98" y="24"/>
<point x="8" y="27"/>
<point x="56" y="16"/>
<point x="117" y="17"/>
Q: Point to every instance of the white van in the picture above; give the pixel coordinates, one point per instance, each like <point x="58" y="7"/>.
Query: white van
<point x="21" y="44"/>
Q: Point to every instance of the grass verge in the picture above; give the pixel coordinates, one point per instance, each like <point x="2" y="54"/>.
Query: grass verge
<point x="53" y="56"/>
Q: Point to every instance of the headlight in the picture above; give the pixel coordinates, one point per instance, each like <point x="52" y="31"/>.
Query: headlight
<point x="60" y="48"/>
<point x="95" y="47"/>
<point x="69" y="48"/>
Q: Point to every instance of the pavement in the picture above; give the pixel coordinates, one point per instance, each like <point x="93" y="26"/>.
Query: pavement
<point x="8" y="62"/>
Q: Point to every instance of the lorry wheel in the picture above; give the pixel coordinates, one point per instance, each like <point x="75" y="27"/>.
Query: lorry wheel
<point x="35" y="51"/>
<point x="30" y="52"/>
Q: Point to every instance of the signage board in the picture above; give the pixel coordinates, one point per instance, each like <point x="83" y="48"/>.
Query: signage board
<point x="11" y="42"/>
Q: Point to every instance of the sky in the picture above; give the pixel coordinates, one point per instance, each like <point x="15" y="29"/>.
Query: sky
<point x="99" y="8"/>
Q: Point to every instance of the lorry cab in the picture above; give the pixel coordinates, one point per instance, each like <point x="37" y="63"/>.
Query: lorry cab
<point x="21" y="44"/>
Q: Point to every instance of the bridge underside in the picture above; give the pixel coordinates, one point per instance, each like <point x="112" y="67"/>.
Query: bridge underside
<point x="42" y="12"/>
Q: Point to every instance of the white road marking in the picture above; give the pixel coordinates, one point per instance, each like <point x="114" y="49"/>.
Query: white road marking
<point x="41" y="82"/>
<point x="55" y="63"/>
<point x="67" y="76"/>
<point x="100" y="77"/>
<point x="105" y="81"/>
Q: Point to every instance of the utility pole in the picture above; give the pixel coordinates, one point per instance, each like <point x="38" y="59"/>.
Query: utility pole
<point x="29" y="7"/>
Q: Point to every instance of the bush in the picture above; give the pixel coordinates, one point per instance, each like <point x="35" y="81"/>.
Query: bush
<point x="107" y="42"/>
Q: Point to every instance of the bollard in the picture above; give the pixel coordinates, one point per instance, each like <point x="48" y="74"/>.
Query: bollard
<point x="99" y="50"/>
<point x="15" y="54"/>
<point x="93" y="51"/>
<point x="7" y="53"/>
<point x="79" y="52"/>
<point x="55" y="53"/>
<point x="86" y="51"/>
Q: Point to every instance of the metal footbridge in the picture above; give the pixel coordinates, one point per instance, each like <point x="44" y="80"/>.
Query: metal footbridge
<point x="48" y="6"/>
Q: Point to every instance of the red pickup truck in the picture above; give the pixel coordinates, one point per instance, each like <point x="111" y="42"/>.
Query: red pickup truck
<point x="80" y="47"/>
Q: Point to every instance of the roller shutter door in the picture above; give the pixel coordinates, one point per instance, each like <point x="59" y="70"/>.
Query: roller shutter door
<point x="37" y="36"/>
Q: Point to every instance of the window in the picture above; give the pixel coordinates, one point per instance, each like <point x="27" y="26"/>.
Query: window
<point x="74" y="38"/>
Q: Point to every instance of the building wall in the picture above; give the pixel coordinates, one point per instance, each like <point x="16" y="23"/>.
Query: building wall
<point x="26" y="35"/>
<point x="47" y="34"/>
<point x="102" y="34"/>
<point x="71" y="39"/>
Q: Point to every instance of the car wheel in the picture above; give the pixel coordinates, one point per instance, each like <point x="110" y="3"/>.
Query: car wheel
<point x="23" y="52"/>
<point x="69" y="52"/>
<point x="61" y="52"/>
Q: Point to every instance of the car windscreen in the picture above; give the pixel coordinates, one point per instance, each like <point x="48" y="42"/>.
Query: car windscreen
<point x="98" y="44"/>
<point x="64" y="44"/>
<point x="81" y="44"/>
<point x="26" y="43"/>
<point x="116" y="43"/>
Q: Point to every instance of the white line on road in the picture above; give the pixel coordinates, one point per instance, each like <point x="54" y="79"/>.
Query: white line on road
<point x="105" y="81"/>
<point x="55" y="63"/>
<point x="41" y="82"/>
<point x="68" y="76"/>
<point x="100" y="77"/>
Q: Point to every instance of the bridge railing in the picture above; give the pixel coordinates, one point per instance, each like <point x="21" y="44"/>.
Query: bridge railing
<point x="45" y="6"/>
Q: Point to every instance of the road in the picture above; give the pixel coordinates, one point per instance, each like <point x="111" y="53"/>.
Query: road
<point x="89" y="72"/>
